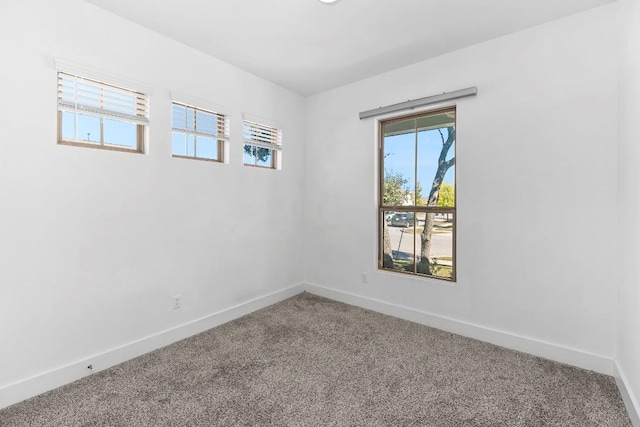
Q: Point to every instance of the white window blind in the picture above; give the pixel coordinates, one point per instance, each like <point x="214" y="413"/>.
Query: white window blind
<point x="261" y="135"/>
<point x="79" y="94"/>
<point x="195" y="121"/>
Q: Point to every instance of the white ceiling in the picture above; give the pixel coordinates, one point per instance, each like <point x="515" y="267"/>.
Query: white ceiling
<point x="309" y="47"/>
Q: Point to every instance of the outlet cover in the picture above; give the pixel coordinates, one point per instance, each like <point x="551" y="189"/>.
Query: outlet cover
<point x="177" y="302"/>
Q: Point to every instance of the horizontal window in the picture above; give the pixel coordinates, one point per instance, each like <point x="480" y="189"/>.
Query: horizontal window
<point x="198" y="133"/>
<point x="99" y="115"/>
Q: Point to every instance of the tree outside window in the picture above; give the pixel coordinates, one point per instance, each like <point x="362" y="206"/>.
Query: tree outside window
<point x="417" y="194"/>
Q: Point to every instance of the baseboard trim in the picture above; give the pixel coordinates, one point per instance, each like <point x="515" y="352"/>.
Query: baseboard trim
<point x="40" y="383"/>
<point x="630" y="400"/>
<point x="521" y="343"/>
<point x="37" y="384"/>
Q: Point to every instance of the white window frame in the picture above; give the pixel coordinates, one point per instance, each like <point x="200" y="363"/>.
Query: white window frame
<point x="258" y="132"/>
<point x="221" y="137"/>
<point x="108" y="101"/>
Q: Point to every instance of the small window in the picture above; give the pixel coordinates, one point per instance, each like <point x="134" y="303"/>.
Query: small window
<point x="417" y="209"/>
<point x="262" y="145"/>
<point x="198" y="133"/>
<point x="99" y="115"/>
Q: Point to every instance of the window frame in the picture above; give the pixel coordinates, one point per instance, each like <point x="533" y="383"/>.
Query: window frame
<point x="141" y="123"/>
<point x="275" y="147"/>
<point x="415" y="209"/>
<point x="221" y="138"/>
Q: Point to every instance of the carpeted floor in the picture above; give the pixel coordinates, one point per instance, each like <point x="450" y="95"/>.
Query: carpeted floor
<point x="310" y="361"/>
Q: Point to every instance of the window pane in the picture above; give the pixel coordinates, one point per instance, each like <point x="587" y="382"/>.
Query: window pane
<point x="120" y="133"/>
<point x="436" y="230"/>
<point x="249" y="158"/>
<point x="429" y="253"/>
<point x="190" y="114"/>
<point x="191" y="145"/>
<point x="206" y="123"/>
<point x="264" y="157"/>
<point x="88" y="128"/>
<point x="258" y="156"/>
<point x="434" y="176"/>
<point x="399" y="246"/>
<point x="399" y="163"/>
<point x="207" y="148"/>
<point x="387" y="247"/>
<point x="68" y="126"/>
<point x="178" y="144"/>
<point x="179" y="117"/>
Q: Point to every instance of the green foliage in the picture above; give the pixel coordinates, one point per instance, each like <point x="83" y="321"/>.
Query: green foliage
<point x="418" y="193"/>
<point x="395" y="188"/>
<point x="261" y="153"/>
<point x="428" y="269"/>
<point x="446" y="196"/>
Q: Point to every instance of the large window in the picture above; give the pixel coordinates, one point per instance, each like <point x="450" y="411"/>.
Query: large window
<point x="262" y="144"/>
<point x="417" y="209"/>
<point x="198" y="133"/>
<point x="99" y="115"/>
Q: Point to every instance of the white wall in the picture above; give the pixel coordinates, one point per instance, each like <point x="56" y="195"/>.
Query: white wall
<point x="628" y="351"/>
<point x="93" y="244"/>
<point x="536" y="169"/>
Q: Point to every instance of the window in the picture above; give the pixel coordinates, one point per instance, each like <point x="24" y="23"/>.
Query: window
<point x="262" y="145"/>
<point x="417" y="209"/>
<point x="99" y="115"/>
<point x="197" y="133"/>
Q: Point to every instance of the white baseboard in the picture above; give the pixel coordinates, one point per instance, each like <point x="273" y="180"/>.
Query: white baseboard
<point x="630" y="400"/>
<point x="29" y="387"/>
<point x="524" y="344"/>
<point x="37" y="384"/>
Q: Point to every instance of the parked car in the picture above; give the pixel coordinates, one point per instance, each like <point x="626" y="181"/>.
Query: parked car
<point x="388" y="215"/>
<point x="404" y="219"/>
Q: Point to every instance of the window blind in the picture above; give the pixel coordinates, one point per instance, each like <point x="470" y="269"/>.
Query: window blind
<point x="82" y="95"/>
<point x="261" y="136"/>
<point x="194" y="121"/>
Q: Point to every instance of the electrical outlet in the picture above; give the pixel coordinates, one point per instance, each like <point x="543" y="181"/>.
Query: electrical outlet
<point x="177" y="302"/>
<point x="363" y="278"/>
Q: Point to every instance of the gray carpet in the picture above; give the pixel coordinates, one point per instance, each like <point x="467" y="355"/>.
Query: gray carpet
<point x="316" y="362"/>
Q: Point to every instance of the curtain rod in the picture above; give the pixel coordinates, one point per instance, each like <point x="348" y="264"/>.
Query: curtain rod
<point x="408" y="105"/>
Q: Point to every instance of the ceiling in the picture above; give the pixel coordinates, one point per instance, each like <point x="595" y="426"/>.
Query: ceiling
<point x="309" y="47"/>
